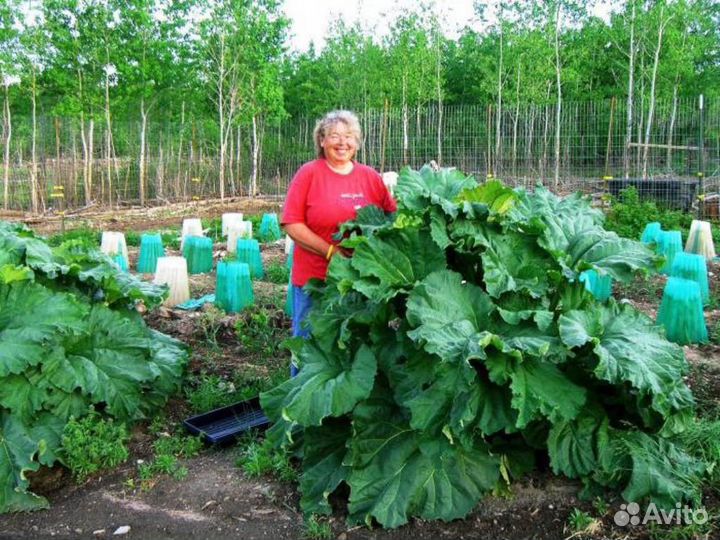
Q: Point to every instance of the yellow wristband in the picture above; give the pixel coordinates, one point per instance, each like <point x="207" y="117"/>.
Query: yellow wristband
<point x="330" y="252"/>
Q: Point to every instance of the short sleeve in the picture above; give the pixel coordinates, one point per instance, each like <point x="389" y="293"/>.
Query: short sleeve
<point x="296" y="200"/>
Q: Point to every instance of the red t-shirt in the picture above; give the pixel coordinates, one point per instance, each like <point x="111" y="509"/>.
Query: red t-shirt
<point x="323" y="199"/>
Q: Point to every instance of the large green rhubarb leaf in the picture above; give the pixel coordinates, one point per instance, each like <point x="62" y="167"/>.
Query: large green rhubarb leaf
<point x="629" y="348"/>
<point x="329" y="384"/>
<point x="18" y="449"/>
<point x="450" y="316"/>
<point x="399" y="472"/>
<point x="32" y="320"/>
<point x="398" y="261"/>
<point x="323" y="468"/>
<point x="541" y="390"/>
<point x="572" y="445"/>
<point x="415" y="189"/>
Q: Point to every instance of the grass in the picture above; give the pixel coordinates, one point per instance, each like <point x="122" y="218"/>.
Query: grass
<point x="93" y="443"/>
<point x="259" y="458"/>
<point x="316" y="529"/>
<point x="581" y="522"/>
<point x="277" y="273"/>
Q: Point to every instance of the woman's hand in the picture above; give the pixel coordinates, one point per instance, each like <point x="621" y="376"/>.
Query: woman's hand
<point x="309" y="241"/>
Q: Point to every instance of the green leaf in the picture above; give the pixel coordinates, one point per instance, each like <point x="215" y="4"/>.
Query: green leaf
<point x="541" y="390"/>
<point x="18" y="449"/>
<point x="397" y="472"/>
<point x="449" y="316"/>
<point x="572" y="445"/>
<point x="514" y="262"/>
<point x="498" y="199"/>
<point x="10" y="274"/>
<point x="329" y="384"/>
<point x="628" y="347"/>
<point x="32" y="319"/>
<point x="415" y="189"/>
<point x="398" y="261"/>
<point x="323" y="468"/>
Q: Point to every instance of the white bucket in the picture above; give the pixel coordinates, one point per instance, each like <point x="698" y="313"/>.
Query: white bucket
<point x="172" y="271"/>
<point x="229" y="220"/>
<point x="113" y="243"/>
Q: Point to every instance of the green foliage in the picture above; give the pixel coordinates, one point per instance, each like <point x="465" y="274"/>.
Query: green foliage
<point x="93" y="443"/>
<point x="316" y="528"/>
<point x="579" y="520"/>
<point x="261" y="330"/>
<point x="178" y="446"/>
<point x="211" y="392"/>
<point x="83" y="234"/>
<point x="466" y="330"/>
<point x="277" y="273"/>
<point x="70" y="338"/>
<point x="261" y="458"/>
<point x="628" y="216"/>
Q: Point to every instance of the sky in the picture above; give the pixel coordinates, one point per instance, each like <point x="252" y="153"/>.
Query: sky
<point x="310" y="18"/>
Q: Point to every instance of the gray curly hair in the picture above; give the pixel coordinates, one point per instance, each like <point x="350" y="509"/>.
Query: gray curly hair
<point x="330" y="120"/>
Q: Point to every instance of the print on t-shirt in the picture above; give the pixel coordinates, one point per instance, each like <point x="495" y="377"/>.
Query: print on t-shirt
<point x="353" y="200"/>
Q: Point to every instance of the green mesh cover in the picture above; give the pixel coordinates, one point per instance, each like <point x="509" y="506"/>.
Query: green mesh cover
<point x="233" y="290"/>
<point x="197" y="250"/>
<point x="269" y="228"/>
<point x="694" y="268"/>
<point x="599" y="285"/>
<point x="681" y="312"/>
<point x="248" y="252"/>
<point x="121" y="262"/>
<point x="290" y="300"/>
<point x="669" y="243"/>
<point x="289" y="261"/>
<point x="651" y="232"/>
<point x="151" y="249"/>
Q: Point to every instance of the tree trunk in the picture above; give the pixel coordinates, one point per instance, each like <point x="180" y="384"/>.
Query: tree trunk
<point x="558" y="107"/>
<point x="180" y="150"/>
<point x="671" y="127"/>
<point x="33" y="166"/>
<point x="108" y="136"/>
<point x="438" y="87"/>
<point x="141" y="162"/>
<point x="651" y="106"/>
<point x="629" y="102"/>
<point x="8" y="136"/>
<point x="405" y="120"/>
<point x="515" y="122"/>
<point x="255" y="152"/>
<point x="497" y="168"/>
<point x="89" y="160"/>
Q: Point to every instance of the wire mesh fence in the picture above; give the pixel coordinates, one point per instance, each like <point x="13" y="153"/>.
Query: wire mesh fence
<point x="671" y="154"/>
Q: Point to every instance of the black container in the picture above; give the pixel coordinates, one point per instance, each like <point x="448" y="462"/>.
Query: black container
<point x="673" y="193"/>
<point x="226" y="423"/>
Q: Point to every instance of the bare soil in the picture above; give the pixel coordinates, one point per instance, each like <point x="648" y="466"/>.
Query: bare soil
<point x="217" y="500"/>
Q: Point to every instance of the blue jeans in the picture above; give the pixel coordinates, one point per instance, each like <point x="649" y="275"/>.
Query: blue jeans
<point x="301" y="306"/>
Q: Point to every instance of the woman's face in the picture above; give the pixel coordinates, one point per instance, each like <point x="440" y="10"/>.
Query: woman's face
<point x="339" y="144"/>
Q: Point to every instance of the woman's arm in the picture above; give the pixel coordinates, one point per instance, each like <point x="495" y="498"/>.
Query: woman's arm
<point x="310" y="241"/>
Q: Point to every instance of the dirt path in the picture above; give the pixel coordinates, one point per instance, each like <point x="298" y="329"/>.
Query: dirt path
<point x="218" y="501"/>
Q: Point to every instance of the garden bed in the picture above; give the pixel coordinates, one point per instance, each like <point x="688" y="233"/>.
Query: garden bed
<point x="219" y="499"/>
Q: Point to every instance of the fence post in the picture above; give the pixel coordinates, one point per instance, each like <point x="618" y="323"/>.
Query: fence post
<point x="701" y="151"/>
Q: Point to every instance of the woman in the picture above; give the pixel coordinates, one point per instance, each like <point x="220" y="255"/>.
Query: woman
<point x="323" y="194"/>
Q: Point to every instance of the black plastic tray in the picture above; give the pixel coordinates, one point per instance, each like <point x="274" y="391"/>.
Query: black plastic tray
<point x="226" y="423"/>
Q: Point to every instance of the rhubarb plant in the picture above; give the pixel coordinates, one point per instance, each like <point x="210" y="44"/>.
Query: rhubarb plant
<point x="457" y="346"/>
<point x="71" y="341"/>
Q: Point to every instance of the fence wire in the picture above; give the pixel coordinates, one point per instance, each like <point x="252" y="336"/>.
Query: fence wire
<point x="595" y="150"/>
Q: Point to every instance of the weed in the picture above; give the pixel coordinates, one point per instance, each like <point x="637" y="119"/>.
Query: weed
<point x="213" y="226"/>
<point x="701" y="439"/>
<point x="132" y="238"/>
<point x="86" y="235"/>
<point x="277" y="273"/>
<point x="260" y="458"/>
<point x="581" y="522"/>
<point x="210" y="324"/>
<point x="178" y="446"/>
<point x="316" y="528"/>
<point x="258" y="331"/>
<point x="211" y="392"/>
<point x="93" y="443"/>
<point x="628" y="215"/>
<point x="601" y="506"/>
<point x="691" y="531"/>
